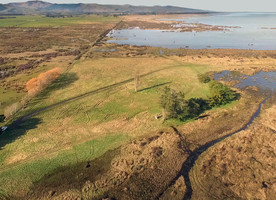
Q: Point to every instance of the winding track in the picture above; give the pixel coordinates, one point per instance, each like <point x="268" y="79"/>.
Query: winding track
<point x="194" y="155"/>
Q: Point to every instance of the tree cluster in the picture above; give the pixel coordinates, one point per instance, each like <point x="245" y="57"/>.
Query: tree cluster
<point x="175" y="106"/>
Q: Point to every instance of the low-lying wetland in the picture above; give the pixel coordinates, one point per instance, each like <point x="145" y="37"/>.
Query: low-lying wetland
<point x="90" y="135"/>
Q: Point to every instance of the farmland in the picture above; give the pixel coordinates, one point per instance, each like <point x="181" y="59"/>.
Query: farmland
<point x="90" y="134"/>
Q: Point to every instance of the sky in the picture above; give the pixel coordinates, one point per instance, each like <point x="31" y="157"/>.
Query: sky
<point x="214" y="5"/>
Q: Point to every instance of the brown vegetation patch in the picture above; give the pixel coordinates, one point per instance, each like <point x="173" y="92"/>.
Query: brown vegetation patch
<point x="243" y="164"/>
<point x="36" y="85"/>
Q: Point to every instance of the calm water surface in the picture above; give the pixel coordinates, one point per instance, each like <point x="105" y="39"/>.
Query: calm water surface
<point x="254" y="33"/>
<point x="265" y="81"/>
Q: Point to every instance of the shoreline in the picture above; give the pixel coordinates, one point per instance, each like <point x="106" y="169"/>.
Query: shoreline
<point x="168" y="22"/>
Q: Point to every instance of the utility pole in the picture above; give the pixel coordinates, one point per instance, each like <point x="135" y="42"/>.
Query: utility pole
<point x="137" y="81"/>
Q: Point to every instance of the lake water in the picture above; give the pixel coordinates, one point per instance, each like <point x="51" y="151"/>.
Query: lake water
<point x="265" y="81"/>
<point x="254" y="33"/>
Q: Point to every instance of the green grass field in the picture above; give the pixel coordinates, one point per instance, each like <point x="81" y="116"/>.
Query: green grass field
<point x="32" y="171"/>
<point x="86" y="127"/>
<point x="92" y="108"/>
<point x="44" y="39"/>
<point x="62" y="135"/>
<point x="42" y="21"/>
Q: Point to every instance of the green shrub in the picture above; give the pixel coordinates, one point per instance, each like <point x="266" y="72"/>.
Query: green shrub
<point x="220" y="94"/>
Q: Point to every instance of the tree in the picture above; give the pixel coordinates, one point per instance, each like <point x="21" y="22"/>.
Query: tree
<point x="173" y="103"/>
<point x="220" y="94"/>
<point x="33" y="87"/>
<point x="196" y="107"/>
<point x="24" y="101"/>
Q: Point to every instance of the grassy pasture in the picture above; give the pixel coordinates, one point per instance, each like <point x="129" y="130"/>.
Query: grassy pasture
<point x="118" y="112"/>
<point x="34" y="38"/>
<point x="42" y="21"/>
<point x="72" y="133"/>
<point x="93" y="74"/>
<point x="31" y="172"/>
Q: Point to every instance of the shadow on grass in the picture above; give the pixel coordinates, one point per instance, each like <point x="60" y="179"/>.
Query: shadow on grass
<point x="154" y="86"/>
<point x="73" y="177"/>
<point x="62" y="82"/>
<point x="17" y="129"/>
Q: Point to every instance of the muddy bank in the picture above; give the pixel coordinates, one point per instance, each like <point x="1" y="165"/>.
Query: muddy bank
<point x="172" y="26"/>
<point x="166" y="22"/>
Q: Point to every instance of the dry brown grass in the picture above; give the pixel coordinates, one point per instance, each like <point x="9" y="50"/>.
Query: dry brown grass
<point x="242" y="164"/>
<point x="142" y="156"/>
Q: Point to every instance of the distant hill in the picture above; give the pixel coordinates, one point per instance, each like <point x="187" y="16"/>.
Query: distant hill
<point x="40" y="7"/>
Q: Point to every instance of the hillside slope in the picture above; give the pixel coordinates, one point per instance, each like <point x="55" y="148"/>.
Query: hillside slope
<point x="40" y="7"/>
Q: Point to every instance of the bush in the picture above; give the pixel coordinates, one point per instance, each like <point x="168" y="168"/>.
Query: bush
<point x="35" y="85"/>
<point x="220" y="94"/>
<point x="204" y="78"/>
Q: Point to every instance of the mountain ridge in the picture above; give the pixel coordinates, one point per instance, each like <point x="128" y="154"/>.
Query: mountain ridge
<point x="42" y="7"/>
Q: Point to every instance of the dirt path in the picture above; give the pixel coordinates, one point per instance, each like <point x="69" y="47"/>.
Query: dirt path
<point x="194" y="155"/>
